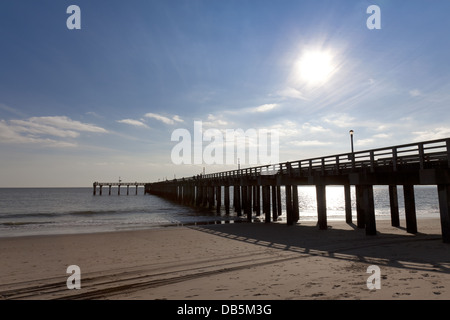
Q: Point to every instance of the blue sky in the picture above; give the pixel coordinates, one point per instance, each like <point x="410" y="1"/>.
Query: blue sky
<point x="78" y="106"/>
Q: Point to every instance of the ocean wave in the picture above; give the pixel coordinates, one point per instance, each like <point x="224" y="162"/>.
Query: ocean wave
<point x="85" y="213"/>
<point x="29" y="215"/>
<point x="89" y="212"/>
<point x="23" y="223"/>
<point x="61" y="214"/>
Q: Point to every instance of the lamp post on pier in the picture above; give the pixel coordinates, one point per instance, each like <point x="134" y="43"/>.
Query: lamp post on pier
<point x="352" y="156"/>
<point x="351" y="140"/>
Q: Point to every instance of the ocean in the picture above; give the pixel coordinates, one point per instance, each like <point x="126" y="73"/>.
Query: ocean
<point x="44" y="211"/>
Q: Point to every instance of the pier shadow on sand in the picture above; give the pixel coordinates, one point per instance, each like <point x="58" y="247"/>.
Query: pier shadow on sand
<point x="391" y="246"/>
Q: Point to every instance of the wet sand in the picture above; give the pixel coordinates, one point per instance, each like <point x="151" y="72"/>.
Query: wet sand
<point x="231" y="262"/>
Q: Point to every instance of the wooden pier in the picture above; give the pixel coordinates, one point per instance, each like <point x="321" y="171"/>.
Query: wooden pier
<point x="257" y="190"/>
<point x="100" y="186"/>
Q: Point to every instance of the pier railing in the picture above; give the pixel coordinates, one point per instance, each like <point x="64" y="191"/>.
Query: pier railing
<point x="116" y="184"/>
<point x="428" y="154"/>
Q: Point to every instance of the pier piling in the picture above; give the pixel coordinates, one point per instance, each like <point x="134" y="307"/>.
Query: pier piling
<point x="393" y="201"/>
<point x="289" y="209"/>
<point x="348" y="204"/>
<point x="444" y="208"/>
<point x="410" y="209"/>
<point x="321" y="206"/>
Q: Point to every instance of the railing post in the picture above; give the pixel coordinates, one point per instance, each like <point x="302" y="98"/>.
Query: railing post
<point x="447" y="144"/>
<point x="337" y="165"/>
<point x="421" y="156"/>
<point x="394" y="158"/>
<point x="353" y="160"/>
<point x="372" y="161"/>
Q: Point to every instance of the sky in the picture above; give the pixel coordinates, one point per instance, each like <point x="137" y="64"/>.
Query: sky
<point x="103" y="101"/>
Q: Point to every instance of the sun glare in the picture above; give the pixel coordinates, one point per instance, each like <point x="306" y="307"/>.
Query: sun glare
<point x="316" y="67"/>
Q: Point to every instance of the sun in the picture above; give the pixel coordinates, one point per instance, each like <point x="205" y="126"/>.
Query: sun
<point x="316" y="67"/>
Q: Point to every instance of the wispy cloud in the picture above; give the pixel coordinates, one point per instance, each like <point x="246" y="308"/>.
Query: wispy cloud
<point x="340" y="120"/>
<point x="163" y="119"/>
<point x="311" y="143"/>
<point x="11" y="110"/>
<point x="177" y="118"/>
<point x="45" y="130"/>
<point x="415" y="93"/>
<point x="433" y="134"/>
<point x="132" y="122"/>
<point x="364" y="142"/>
<point x="291" y="93"/>
<point x="264" y="108"/>
<point x="314" y="128"/>
<point x="9" y="134"/>
<point x="35" y="128"/>
<point x="65" y="123"/>
<point x="215" y="121"/>
<point x="94" y="114"/>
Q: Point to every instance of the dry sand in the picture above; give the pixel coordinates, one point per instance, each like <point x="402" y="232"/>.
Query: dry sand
<point x="231" y="261"/>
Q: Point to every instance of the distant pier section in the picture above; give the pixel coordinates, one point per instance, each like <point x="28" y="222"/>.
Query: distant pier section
<point x="109" y="185"/>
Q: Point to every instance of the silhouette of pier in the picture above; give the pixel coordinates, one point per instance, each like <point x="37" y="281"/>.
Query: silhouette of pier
<point x="257" y="190"/>
<point x="119" y="184"/>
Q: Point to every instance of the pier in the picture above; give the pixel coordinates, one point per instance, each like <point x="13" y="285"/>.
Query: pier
<point x="100" y="186"/>
<point x="257" y="190"/>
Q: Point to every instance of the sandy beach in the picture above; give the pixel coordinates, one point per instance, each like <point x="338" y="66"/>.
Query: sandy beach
<point x="231" y="262"/>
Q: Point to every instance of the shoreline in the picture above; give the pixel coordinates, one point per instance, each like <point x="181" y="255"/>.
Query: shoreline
<point x="230" y="220"/>
<point x="230" y="261"/>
